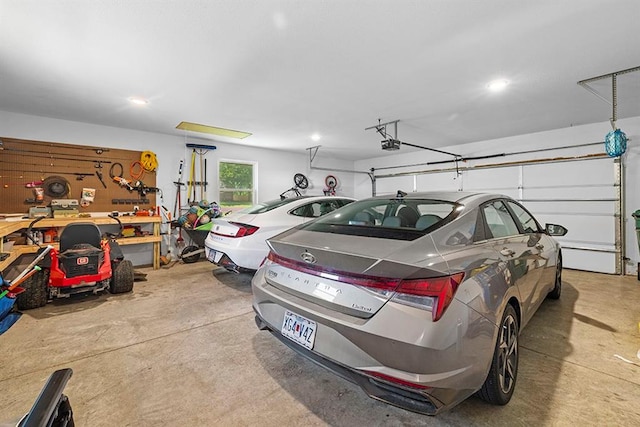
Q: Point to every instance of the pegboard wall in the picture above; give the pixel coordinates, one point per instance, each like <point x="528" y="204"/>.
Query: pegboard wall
<point x="33" y="170"/>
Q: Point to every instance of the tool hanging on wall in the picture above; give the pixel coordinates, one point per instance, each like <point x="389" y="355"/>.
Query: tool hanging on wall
<point x="51" y="157"/>
<point x="101" y="178"/>
<point x="192" y="171"/>
<point x="149" y="161"/>
<point x="56" y="187"/>
<point x="114" y="167"/>
<point x="123" y="183"/>
<point x="79" y="176"/>
<point x="178" y="200"/>
<point x="144" y="189"/>
<point x="136" y="174"/>
<point x="177" y="207"/>
<point x="199" y="150"/>
<point x="97" y="150"/>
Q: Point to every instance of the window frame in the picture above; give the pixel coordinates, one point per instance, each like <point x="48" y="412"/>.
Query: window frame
<point x="517" y="218"/>
<point x="488" y="234"/>
<point x="254" y="190"/>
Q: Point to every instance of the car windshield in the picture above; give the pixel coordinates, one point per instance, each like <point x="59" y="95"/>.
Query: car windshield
<point x="403" y="219"/>
<point x="267" y="206"/>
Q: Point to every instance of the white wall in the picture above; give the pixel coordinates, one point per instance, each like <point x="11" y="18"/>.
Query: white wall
<point x="575" y="135"/>
<point x="275" y="168"/>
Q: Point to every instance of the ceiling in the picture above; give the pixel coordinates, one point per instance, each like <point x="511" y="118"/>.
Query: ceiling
<point x="284" y="70"/>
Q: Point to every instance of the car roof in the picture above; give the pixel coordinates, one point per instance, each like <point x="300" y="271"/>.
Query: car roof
<point x="466" y="198"/>
<point x="320" y="197"/>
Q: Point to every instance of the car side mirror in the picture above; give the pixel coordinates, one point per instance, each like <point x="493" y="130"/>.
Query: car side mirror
<point x="555" y="230"/>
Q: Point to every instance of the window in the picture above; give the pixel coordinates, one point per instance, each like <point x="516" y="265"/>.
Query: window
<point x="529" y="224"/>
<point x="499" y="220"/>
<point x="268" y="206"/>
<point x="237" y="183"/>
<point x="387" y="218"/>
<point x="319" y="208"/>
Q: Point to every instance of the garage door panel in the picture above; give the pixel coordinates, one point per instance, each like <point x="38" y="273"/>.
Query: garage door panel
<point x="438" y="182"/>
<point x="393" y="184"/>
<point x="595" y="191"/>
<point x="492" y="180"/>
<point x="566" y="173"/>
<point x="570" y="208"/>
<point x="589" y="261"/>
<point x="592" y="230"/>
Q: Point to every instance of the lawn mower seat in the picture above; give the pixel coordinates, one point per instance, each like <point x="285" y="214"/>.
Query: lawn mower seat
<point x="80" y="250"/>
<point x="80" y="233"/>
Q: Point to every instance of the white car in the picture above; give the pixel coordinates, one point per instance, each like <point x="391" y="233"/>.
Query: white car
<point x="238" y="241"/>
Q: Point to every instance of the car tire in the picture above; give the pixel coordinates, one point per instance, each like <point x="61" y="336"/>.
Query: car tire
<point x="501" y="380"/>
<point x="557" y="286"/>
<point x="122" y="278"/>
<point x="36" y="291"/>
<point x="192" y="258"/>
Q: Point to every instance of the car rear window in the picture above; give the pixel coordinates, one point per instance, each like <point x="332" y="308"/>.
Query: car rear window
<point x="387" y="218"/>
<point x="270" y="205"/>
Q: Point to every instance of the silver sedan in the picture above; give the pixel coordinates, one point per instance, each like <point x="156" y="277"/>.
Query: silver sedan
<point x="419" y="299"/>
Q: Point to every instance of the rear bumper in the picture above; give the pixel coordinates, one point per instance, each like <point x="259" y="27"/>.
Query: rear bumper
<point x="405" y="398"/>
<point x="430" y="366"/>
<point x="240" y="254"/>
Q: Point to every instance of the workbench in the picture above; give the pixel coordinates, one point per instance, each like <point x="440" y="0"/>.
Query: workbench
<point x="8" y="226"/>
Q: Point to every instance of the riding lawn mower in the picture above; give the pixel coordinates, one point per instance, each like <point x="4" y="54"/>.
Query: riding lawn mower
<point x="84" y="262"/>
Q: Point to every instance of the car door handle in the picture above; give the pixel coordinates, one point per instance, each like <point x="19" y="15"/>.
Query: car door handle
<point x="539" y="247"/>
<point x="507" y="252"/>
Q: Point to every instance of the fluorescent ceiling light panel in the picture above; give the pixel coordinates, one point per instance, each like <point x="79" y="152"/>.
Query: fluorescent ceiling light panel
<point x="195" y="127"/>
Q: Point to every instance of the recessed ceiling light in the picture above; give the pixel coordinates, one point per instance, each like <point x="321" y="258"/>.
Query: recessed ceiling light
<point x="315" y="137"/>
<point x="497" y="85"/>
<point x="138" y="101"/>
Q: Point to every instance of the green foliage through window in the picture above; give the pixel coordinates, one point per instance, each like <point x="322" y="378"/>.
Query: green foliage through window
<point x="236" y="184"/>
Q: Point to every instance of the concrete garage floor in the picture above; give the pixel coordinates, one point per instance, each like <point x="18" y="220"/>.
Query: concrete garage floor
<point x="183" y="350"/>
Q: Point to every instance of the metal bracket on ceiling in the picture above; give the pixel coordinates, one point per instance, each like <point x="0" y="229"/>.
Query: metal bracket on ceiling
<point x="393" y="143"/>
<point x="381" y="128"/>
<point x="614" y="90"/>
<point x="313" y="151"/>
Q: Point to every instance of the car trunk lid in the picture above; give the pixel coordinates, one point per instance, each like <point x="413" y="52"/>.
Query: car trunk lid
<point x="351" y="274"/>
<point x="233" y="227"/>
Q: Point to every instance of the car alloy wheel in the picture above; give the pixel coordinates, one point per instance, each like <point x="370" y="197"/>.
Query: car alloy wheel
<point x="508" y="354"/>
<point x="501" y="380"/>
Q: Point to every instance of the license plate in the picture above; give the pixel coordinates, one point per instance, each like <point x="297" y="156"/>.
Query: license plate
<point x="299" y="329"/>
<point x="214" y="256"/>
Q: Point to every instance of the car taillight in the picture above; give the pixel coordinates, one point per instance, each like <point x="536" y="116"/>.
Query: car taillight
<point x="433" y="294"/>
<point x="244" y="229"/>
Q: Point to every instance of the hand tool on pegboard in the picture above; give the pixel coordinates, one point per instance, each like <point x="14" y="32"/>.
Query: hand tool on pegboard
<point x="101" y="178"/>
<point x="123" y="183"/>
<point x="97" y="150"/>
